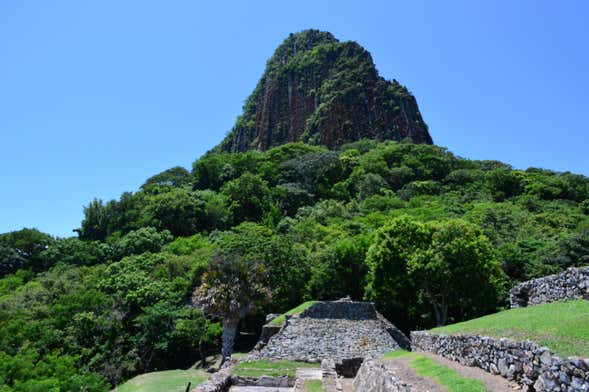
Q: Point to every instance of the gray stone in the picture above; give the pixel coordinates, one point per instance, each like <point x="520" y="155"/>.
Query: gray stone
<point x="375" y="376"/>
<point x="532" y="367"/>
<point x="323" y="332"/>
<point x="571" y="284"/>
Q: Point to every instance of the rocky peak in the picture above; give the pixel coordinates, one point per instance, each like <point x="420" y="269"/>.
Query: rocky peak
<point x="319" y="90"/>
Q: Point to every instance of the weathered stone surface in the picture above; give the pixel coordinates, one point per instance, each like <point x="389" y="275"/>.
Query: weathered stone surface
<point x="219" y="382"/>
<point x="375" y="376"/>
<point x="571" y="284"/>
<point x="349" y="310"/>
<point x="320" y="90"/>
<point x="264" y="381"/>
<point x="338" y="330"/>
<point x="306" y="339"/>
<point x="524" y="362"/>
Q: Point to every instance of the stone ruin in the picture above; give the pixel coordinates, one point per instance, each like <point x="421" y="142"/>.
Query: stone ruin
<point x="344" y="331"/>
<point x="571" y="284"/>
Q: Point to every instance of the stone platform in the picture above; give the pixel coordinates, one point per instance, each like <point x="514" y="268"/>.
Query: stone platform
<point x="338" y="330"/>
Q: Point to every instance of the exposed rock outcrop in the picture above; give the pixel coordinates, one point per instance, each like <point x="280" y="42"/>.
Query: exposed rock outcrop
<point x="319" y="90"/>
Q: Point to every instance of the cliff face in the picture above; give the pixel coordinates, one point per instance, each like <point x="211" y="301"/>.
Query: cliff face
<point x="319" y="90"/>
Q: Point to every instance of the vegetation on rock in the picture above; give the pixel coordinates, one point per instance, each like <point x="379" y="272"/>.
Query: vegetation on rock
<point x="319" y="90"/>
<point x="260" y="225"/>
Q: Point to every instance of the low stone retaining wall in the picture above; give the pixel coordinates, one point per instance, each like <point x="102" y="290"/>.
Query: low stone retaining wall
<point x="375" y="376"/>
<point x="349" y="310"/>
<point x="219" y="382"/>
<point x="571" y="284"/>
<point x="532" y="366"/>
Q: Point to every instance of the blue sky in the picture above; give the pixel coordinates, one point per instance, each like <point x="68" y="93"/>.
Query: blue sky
<point x="96" y="96"/>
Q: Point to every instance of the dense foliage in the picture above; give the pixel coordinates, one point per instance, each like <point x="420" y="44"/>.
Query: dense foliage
<point x="397" y="223"/>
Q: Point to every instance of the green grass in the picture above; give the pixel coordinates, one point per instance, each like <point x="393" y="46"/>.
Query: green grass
<point x="396" y="354"/>
<point x="166" y="381"/>
<point x="299" y="309"/>
<point x="270" y="368"/>
<point x="313" y="386"/>
<point x="561" y="326"/>
<point x="448" y="378"/>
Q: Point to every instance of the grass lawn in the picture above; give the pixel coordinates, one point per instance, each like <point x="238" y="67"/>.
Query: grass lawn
<point x="165" y="381"/>
<point x="299" y="309"/>
<point x="270" y="368"/>
<point x="561" y="326"/>
<point x="313" y="386"/>
<point x="448" y="378"/>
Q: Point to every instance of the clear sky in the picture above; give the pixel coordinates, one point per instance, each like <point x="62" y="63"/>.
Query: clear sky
<point x="96" y="96"/>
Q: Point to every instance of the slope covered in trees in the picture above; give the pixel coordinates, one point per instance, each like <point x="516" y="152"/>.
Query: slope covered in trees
<point x="397" y="223"/>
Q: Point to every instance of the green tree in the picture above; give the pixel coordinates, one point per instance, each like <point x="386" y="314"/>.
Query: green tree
<point x="176" y="176"/>
<point x="388" y="282"/>
<point x="177" y="210"/>
<point x="10" y="261"/>
<point x="249" y="197"/>
<point x="230" y="289"/>
<point x="457" y="269"/>
<point x="504" y="183"/>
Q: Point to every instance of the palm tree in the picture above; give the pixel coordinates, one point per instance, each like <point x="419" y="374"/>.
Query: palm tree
<point x="229" y="290"/>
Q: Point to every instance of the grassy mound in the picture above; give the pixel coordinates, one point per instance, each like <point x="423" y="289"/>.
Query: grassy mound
<point x="448" y="378"/>
<point x="299" y="309"/>
<point x="165" y="381"/>
<point x="561" y="326"/>
<point x="270" y="368"/>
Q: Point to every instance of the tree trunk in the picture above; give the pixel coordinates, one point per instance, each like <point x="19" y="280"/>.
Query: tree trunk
<point x="441" y="313"/>
<point x="229" y="331"/>
<point x="203" y="354"/>
<point x="437" y="314"/>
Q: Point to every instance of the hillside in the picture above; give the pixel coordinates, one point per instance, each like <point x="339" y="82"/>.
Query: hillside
<point x="319" y="90"/>
<point x="259" y="226"/>
<point x="560" y="326"/>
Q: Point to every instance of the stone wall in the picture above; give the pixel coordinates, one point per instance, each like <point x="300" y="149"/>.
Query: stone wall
<point x="533" y="367"/>
<point x="349" y="310"/>
<point x="312" y="340"/>
<point x="338" y="330"/>
<point x="375" y="376"/>
<point x="571" y="284"/>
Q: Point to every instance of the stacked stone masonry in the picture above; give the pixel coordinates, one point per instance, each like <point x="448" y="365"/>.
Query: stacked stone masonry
<point x="571" y="284"/>
<point x="334" y="330"/>
<point x="312" y="340"/>
<point x="375" y="376"/>
<point x="534" y="368"/>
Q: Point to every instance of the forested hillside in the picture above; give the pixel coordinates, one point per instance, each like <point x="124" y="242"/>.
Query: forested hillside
<point x="321" y="190"/>
<point x="428" y="236"/>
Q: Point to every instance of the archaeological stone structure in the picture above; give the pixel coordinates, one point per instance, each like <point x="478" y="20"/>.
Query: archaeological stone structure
<point x="571" y="284"/>
<point x="375" y="376"/>
<point x="338" y="330"/>
<point x="535" y="368"/>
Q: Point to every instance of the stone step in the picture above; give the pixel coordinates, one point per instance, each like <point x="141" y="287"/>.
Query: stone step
<point x="309" y="374"/>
